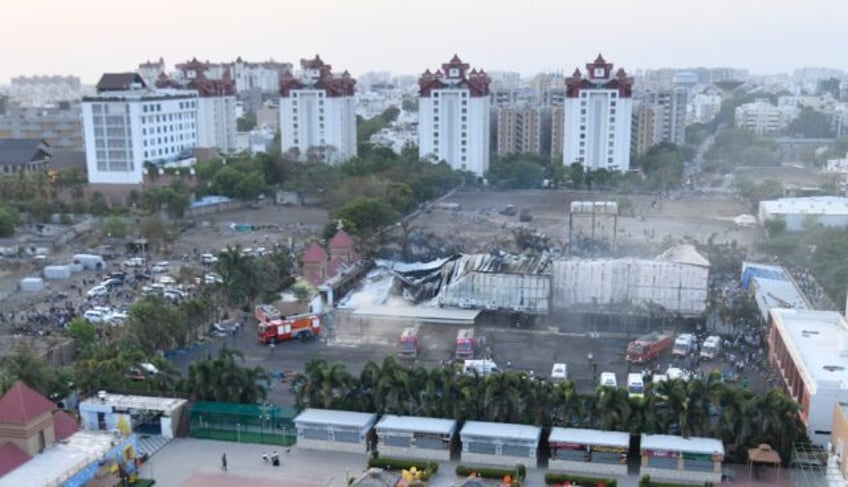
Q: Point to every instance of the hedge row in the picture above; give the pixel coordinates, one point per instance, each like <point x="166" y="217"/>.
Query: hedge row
<point x="389" y="463"/>
<point x="646" y="481"/>
<point x="552" y="478"/>
<point x="492" y="473"/>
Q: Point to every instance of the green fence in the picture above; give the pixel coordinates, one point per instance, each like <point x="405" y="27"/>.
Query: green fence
<point x="243" y="423"/>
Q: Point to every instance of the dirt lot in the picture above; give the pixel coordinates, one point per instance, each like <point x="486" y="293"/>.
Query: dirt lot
<point x="648" y="227"/>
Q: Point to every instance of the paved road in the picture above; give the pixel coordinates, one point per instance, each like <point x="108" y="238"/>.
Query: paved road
<point x="531" y="347"/>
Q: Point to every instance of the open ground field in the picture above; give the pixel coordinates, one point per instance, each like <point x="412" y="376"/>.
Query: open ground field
<point x="645" y="229"/>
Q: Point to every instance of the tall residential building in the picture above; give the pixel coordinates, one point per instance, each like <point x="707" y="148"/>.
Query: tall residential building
<point x="643" y="129"/>
<point x="597" y="119"/>
<point x="265" y="76"/>
<point x="659" y="116"/>
<point x="59" y="125"/>
<point x="557" y="136"/>
<point x="127" y="124"/>
<point x="453" y="116"/>
<point x="519" y="130"/>
<point x="318" y="112"/>
<point x="216" y="103"/>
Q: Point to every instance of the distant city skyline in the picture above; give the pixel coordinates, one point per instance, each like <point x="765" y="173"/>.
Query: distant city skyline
<point x="88" y="37"/>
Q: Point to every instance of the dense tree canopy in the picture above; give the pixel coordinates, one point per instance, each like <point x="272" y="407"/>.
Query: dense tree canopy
<point x="810" y="123"/>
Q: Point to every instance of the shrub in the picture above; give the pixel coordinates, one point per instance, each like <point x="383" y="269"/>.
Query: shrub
<point x="387" y="463"/>
<point x="552" y="478"/>
<point x="492" y="472"/>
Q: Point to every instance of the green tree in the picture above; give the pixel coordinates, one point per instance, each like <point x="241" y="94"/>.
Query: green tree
<point x="115" y="227"/>
<point x="245" y="278"/>
<point x="154" y="230"/>
<point x="575" y="174"/>
<point x="811" y="124"/>
<point x="246" y="122"/>
<point x="154" y="324"/>
<point x="83" y="332"/>
<point x="367" y="214"/>
<point x="9" y="219"/>
<point x="222" y="379"/>
<point x="98" y="205"/>
<point x="775" y="226"/>
<point x="24" y="365"/>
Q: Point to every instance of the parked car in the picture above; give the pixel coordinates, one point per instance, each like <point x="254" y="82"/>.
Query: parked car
<point x="133" y="262"/>
<point x="98" y="291"/>
<point x="158" y="269"/>
<point x="118" y="317"/>
<point x="167" y="280"/>
<point x="111" y="283"/>
<point x="208" y="259"/>
<point x="213" y="278"/>
<point x="94" y="316"/>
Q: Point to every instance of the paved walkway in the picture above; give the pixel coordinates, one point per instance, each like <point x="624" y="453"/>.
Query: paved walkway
<point x="188" y="462"/>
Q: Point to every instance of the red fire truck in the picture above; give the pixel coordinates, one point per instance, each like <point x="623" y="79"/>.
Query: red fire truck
<point x="304" y="327"/>
<point x="467" y="344"/>
<point x="266" y="312"/>
<point x="409" y="345"/>
<point x="649" y="346"/>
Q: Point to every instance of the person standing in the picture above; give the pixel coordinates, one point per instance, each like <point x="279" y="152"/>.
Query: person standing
<point x="224" y="462"/>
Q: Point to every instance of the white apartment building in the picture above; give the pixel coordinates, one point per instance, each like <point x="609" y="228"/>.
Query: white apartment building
<point x="453" y="117"/>
<point x="126" y="124"/>
<point x="318" y="113"/>
<point x="763" y="118"/>
<point x="703" y="107"/>
<point x="598" y="110"/>
<point x="264" y="76"/>
<point x="809" y="350"/>
<point x="216" y="103"/>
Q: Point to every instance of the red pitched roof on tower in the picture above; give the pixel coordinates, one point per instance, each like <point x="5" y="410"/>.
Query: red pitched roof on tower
<point x="64" y="425"/>
<point x="21" y="404"/>
<point x="11" y="457"/>
<point x="314" y="253"/>
<point x="341" y="240"/>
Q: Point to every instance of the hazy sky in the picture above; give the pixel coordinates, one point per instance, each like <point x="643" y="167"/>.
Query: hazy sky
<point x="88" y="37"/>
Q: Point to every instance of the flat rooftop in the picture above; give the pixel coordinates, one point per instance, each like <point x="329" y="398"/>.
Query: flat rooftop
<point x="484" y="429"/>
<point x="813" y="205"/>
<point x="62" y="460"/>
<point x="777" y="293"/>
<point x="582" y="436"/>
<point x="818" y="344"/>
<point x="148" y="403"/>
<point x="333" y="417"/>
<point x="415" y="424"/>
<point x="428" y="314"/>
<point x="679" y="443"/>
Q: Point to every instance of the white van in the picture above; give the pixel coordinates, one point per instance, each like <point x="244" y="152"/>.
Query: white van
<point x="635" y="385"/>
<point x="559" y="373"/>
<point x="683" y="345"/>
<point x="711" y="347"/>
<point x="608" y="379"/>
<point x="481" y="367"/>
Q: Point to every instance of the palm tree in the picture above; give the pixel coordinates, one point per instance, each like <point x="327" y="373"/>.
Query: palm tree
<point x="223" y="379"/>
<point x="612" y="409"/>
<point x="324" y="385"/>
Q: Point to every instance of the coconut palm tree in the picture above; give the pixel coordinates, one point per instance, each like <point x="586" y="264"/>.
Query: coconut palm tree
<point x="223" y="379"/>
<point x="611" y="409"/>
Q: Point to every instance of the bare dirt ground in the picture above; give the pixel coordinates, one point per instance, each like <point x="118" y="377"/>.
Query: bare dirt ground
<point x="644" y="230"/>
<point x="212" y="233"/>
